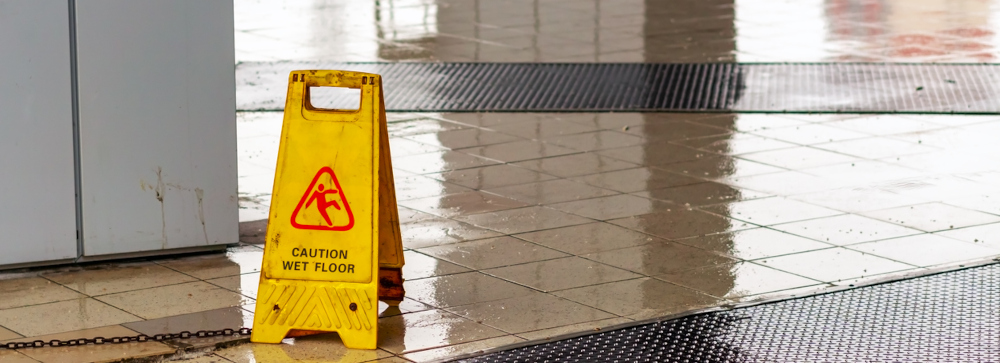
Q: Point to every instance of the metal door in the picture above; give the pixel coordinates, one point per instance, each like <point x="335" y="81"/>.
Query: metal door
<point x="37" y="185"/>
<point x="157" y="124"/>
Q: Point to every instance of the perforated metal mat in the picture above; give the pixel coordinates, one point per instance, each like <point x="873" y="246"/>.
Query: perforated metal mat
<point x="948" y="317"/>
<point x="726" y="87"/>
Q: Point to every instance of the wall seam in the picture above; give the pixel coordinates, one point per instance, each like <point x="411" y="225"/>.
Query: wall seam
<point x="75" y="101"/>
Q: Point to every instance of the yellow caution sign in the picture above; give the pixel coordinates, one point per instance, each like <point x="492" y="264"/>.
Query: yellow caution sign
<point x="333" y="218"/>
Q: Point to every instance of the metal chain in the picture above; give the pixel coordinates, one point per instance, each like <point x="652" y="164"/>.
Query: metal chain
<point x="126" y="339"/>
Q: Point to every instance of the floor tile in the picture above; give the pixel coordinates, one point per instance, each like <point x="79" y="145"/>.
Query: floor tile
<point x="7" y="334"/>
<point x="430" y="329"/>
<point x="702" y="194"/>
<point x="834" y="265"/>
<point x="493" y="252"/>
<point x="590" y="326"/>
<point x="404" y="147"/>
<point x="487" y="119"/>
<point x="845" y="229"/>
<point x="421" y="126"/>
<point x="752" y="244"/>
<point x="884" y="124"/>
<point x="457" y="139"/>
<point x="943" y="161"/>
<point x="736" y="144"/>
<point x="245" y="284"/>
<point x="72" y="315"/>
<point x="589" y="238"/>
<point x="785" y="183"/>
<point x="394" y="360"/>
<point x="681" y="223"/>
<point x="419" y="266"/>
<point x="864" y="173"/>
<point x="33" y="291"/>
<point x="440" y="231"/>
<point x="461" y="289"/>
<point x="985" y="235"/>
<point x="418" y="186"/>
<point x="210" y="357"/>
<point x="982" y="203"/>
<point x="593" y="141"/>
<point x="658" y="258"/>
<point x="720" y="167"/>
<point x="810" y="134"/>
<point x="231" y="318"/>
<point x="235" y="261"/>
<point x="749" y="122"/>
<point x="13" y="356"/>
<point x="736" y="280"/>
<point x="175" y="300"/>
<point x="655" y="154"/>
<point x="542" y="129"/>
<point x="491" y="176"/>
<point x="470" y="202"/>
<point x="407" y="215"/>
<point x="798" y="158"/>
<point x="927" y="250"/>
<point x="640" y="298"/>
<point x="459" y="349"/>
<point x="611" y="207"/>
<point x="576" y="165"/>
<point x="118" y="278"/>
<point x="604" y="120"/>
<point x="437" y="162"/>
<point x="933" y="217"/>
<point x="673" y="130"/>
<point x="519" y="151"/>
<point x="875" y="148"/>
<point x="313" y="348"/>
<point x="524" y="220"/>
<point x="405" y="307"/>
<point x="856" y="199"/>
<point x="638" y="179"/>
<point x="97" y="353"/>
<point x="530" y="312"/>
<point x="551" y="191"/>
<point x="561" y="274"/>
<point x="937" y="188"/>
<point x="770" y="211"/>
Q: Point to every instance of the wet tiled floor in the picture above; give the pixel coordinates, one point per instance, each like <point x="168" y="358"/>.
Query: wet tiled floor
<point x="523" y="244"/>
<point x="521" y="226"/>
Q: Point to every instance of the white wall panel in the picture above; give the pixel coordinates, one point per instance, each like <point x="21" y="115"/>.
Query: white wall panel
<point x="37" y="192"/>
<point x="157" y="124"/>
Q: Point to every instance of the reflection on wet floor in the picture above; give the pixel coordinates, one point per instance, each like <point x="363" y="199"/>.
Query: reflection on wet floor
<point x="953" y="31"/>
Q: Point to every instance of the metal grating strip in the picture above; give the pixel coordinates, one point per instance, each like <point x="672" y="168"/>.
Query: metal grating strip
<point x="948" y="317"/>
<point x="724" y="87"/>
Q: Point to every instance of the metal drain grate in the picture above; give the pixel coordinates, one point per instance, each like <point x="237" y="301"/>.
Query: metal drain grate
<point x="834" y="87"/>
<point x="948" y="317"/>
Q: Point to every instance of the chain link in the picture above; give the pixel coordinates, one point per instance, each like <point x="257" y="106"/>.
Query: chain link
<point x="126" y="339"/>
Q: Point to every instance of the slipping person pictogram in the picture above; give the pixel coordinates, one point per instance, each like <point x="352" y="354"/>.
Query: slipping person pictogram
<point x="323" y="198"/>
<point x="319" y="196"/>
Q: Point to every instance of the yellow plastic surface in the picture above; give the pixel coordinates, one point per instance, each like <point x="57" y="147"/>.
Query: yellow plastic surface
<point x="321" y="258"/>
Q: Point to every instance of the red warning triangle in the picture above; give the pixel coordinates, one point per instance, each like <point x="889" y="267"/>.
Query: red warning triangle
<point x="323" y="206"/>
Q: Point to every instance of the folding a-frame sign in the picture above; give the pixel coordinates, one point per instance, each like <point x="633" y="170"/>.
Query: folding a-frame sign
<point x="333" y="245"/>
